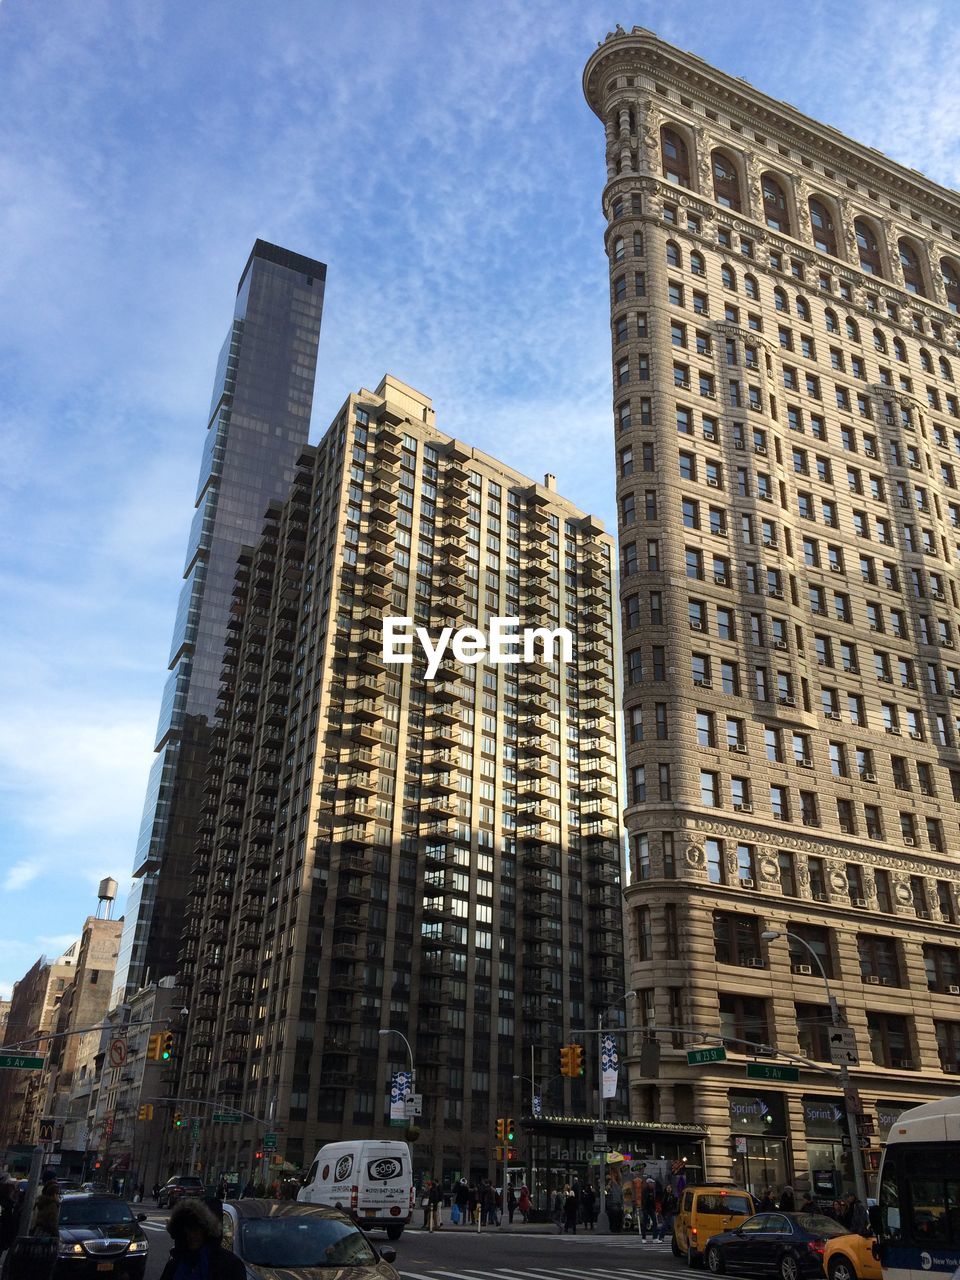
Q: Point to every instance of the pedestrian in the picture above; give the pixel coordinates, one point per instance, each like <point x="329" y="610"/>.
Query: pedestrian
<point x="807" y="1204"/>
<point x="786" y="1203"/>
<point x="856" y="1219"/>
<point x="473" y="1204"/>
<point x="436" y="1205"/>
<point x="648" y="1209"/>
<point x="588" y="1206"/>
<point x="524" y="1203"/>
<point x="197" y="1250"/>
<point x="558" y="1203"/>
<point x="767" y="1203"/>
<point x="571" y="1207"/>
<point x="614" y="1205"/>
<point x="511" y="1202"/>
<point x="46" y="1212"/>
<point x="9" y="1196"/>
<point x="156" y="1190"/>
<point x="668" y="1211"/>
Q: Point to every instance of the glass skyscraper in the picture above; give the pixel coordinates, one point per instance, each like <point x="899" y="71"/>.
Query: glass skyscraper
<point x="257" y="425"/>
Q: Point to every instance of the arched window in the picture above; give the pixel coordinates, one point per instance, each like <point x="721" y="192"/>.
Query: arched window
<point x="868" y="247"/>
<point x="726" y="182"/>
<point x="879" y="342"/>
<point x="951" y="282"/>
<point x="824" y="233"/>
<point x="674" y="157"/>
<point x="780" y="300"/>
<point x="697" y="265"/>
<point x="750" y="287"/>
<point x="803" y="308"/>
<point x="899" y="350"/>
<point x="926" y="364"/>
<point x="674" y="258"/>
<point x="830" y="320"/>
<point x="853" y="330"/>
<point x="775" y="208"/>
<point x="912" y="271"/>
<point x="729" y="277"/>
<point x="945" y="370"/>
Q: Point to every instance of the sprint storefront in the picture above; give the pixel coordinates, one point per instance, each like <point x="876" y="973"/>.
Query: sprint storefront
<point x="759" y="1140"/>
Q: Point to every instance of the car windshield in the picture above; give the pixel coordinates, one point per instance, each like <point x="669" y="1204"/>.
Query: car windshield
<point x="820" y="1225"/>
<point x="184" y="1182"/>
<point x="93" y="1213"/>
<point x="308" y="1241"/>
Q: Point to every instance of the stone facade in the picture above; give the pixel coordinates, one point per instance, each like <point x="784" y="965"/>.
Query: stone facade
<point x="785" y="348"/>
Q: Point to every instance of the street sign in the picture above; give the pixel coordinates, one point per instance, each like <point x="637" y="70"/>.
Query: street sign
<point x="17" y="1062"/>
<point x="601" y="1148"/>
<point x="599" y="1133"/>
<point x="269" y="1142"/>
<point x="697" y="1056"/>
<point x="226" y="1118"/>
<point x="852" y="1100"/>
<point x="118" y="1053"/>
<point x="767" y="1071"/>
<point x="195" y="1127"/>
<point x="413" y="1105"/>
<point x="843" y="1047"/>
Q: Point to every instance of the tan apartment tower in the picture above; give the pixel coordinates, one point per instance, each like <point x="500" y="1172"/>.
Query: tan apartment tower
<point x="783" y="306"/>
<point x="383" y="851"/>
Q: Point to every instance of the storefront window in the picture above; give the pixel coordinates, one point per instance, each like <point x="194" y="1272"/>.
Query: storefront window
<point x="829" y="1162"/>
<point x="758" y="1134"/>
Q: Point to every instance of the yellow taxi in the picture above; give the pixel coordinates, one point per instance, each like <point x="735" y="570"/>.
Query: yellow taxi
<point x="850" y="1258"/>
<point x="705" y="1212"/>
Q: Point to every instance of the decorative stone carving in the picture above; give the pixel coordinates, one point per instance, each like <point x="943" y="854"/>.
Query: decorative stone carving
<point x="837" y="881"/>
<point x="704" y="147"/>
<point x="901" y="891"/>
<point x="695" y="855"/>
<point x="768" y="866"/>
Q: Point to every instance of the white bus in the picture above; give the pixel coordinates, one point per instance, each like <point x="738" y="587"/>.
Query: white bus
<point x="917" y="1217"/>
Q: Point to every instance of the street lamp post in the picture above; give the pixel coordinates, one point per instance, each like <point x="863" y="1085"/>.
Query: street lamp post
<point x="533" y="1143"/>
<point x="389" y="1031"/>
<point x="843" y="1074"/>
<point x="603" y="1222"/>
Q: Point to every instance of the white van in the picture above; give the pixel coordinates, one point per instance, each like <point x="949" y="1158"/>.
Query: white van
<point x="370" y="1180"/>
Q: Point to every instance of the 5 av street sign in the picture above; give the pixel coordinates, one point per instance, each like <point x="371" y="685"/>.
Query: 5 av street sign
<point x="768" y="1071"/>
<point x="16" y="1062"/>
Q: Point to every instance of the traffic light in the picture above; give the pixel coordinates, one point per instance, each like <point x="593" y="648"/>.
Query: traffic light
<point x="177" y="1119"/>
<point x="145" y="1112"/>
<point x="509" y="1131"/>
<point x="155" y="1047"/>
<point x="166" y="1052"/>
<point x="258" y="1155"/>
<point x="500" y="1130"/>
<point x="576" y="1063"/>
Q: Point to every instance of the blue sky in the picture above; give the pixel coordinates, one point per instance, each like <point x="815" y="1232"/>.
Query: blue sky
<point x="441" y="159"/>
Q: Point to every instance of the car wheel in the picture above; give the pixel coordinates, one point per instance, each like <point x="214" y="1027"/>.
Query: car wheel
<point x="394" y="1232"/>
<point x="693" y="1258"/>
<point x="789" y="1268"/>
<point x="842" y="1268"/>
<point x="714" y="1260"/>
<point x="677" y="1251"/>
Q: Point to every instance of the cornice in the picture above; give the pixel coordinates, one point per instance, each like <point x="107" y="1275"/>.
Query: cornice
<point x="642" y="50"/>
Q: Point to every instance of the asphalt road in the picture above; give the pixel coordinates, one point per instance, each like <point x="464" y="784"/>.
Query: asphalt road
<point x="460" y="1253"/>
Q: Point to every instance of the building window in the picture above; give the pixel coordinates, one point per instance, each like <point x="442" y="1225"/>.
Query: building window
<point x="743" y="1021"/>
<point x="674" y="157"/>
<point x="948" y="1046"/>
<point x="879" y="965"/>
<point x="813" y="1031"/>
<point x="824" y="233"/>
<point x="737" y="939"/>
<point x="775" y="207"/>
<point x="889" y="1040"/>
<point x="817" y="940"/>
<point x="943" y="968"/>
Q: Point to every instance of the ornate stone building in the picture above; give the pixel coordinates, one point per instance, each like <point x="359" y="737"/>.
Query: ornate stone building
<point x="787" y="416"/>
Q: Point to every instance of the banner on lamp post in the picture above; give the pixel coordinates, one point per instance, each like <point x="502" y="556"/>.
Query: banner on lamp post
<point x="401" y="1083"/>
<point x="609" y="1064"/>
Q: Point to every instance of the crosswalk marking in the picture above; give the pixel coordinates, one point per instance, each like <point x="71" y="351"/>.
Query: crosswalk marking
<point x="534" y="1273"/>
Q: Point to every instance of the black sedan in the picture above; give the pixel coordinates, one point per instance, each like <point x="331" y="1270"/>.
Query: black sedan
<point x="297" y="1241"/>
<point x="100" y="1236"/>
<point x="788" y="1245"/>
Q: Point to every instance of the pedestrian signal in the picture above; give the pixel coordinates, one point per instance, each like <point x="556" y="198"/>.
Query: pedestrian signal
<point x="500" y="1129"/>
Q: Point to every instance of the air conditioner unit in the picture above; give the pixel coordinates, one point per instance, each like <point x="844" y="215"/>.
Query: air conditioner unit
<point x="891" y="728"/>
<point x="695" y="625"/>
<point x="905" y="504"/>
<point x="872" y="979"/>
<point x="805" y="763"/>
<point x="786" y="701"/>
<point x="820" y="897"/>
<point x="743" y="808"/>
<point x="923" y="915"/>
<point x="847" y="830"/>
<point x="836" y="568"/>
<point x="916" y="735"/>
<point x="804" y="970"/>
<point x="702" y="682"/>
<point x="869" y="777"/>
<point x="874" y="627"/>
<point x="779" y="644"/>
<point x="765" y="497"/>
<point x="908" y="684"/>
<point x="720" y="579"/>
<point x="738" y="444"/>
<point x="946" y="644"/>
<point x="953" y="991"/>
<point x="885" y="679"/>
<point x="833" y="715"/>
<point x="738" y="747"/>
<point x="861" y="903"/>
<point x="938" y="595"/>
<point x="769" y="542"/>
<point x="746" y="883"/>
<point x="759" y="448"/>
<point x="713" y="482"/>
<point x="775" y="593"/>
<point x="754" y="963"/>
<point x="821" y="662"/>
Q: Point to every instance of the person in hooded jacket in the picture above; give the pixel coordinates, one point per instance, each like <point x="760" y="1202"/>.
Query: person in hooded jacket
<point x="197" y="1253"/>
